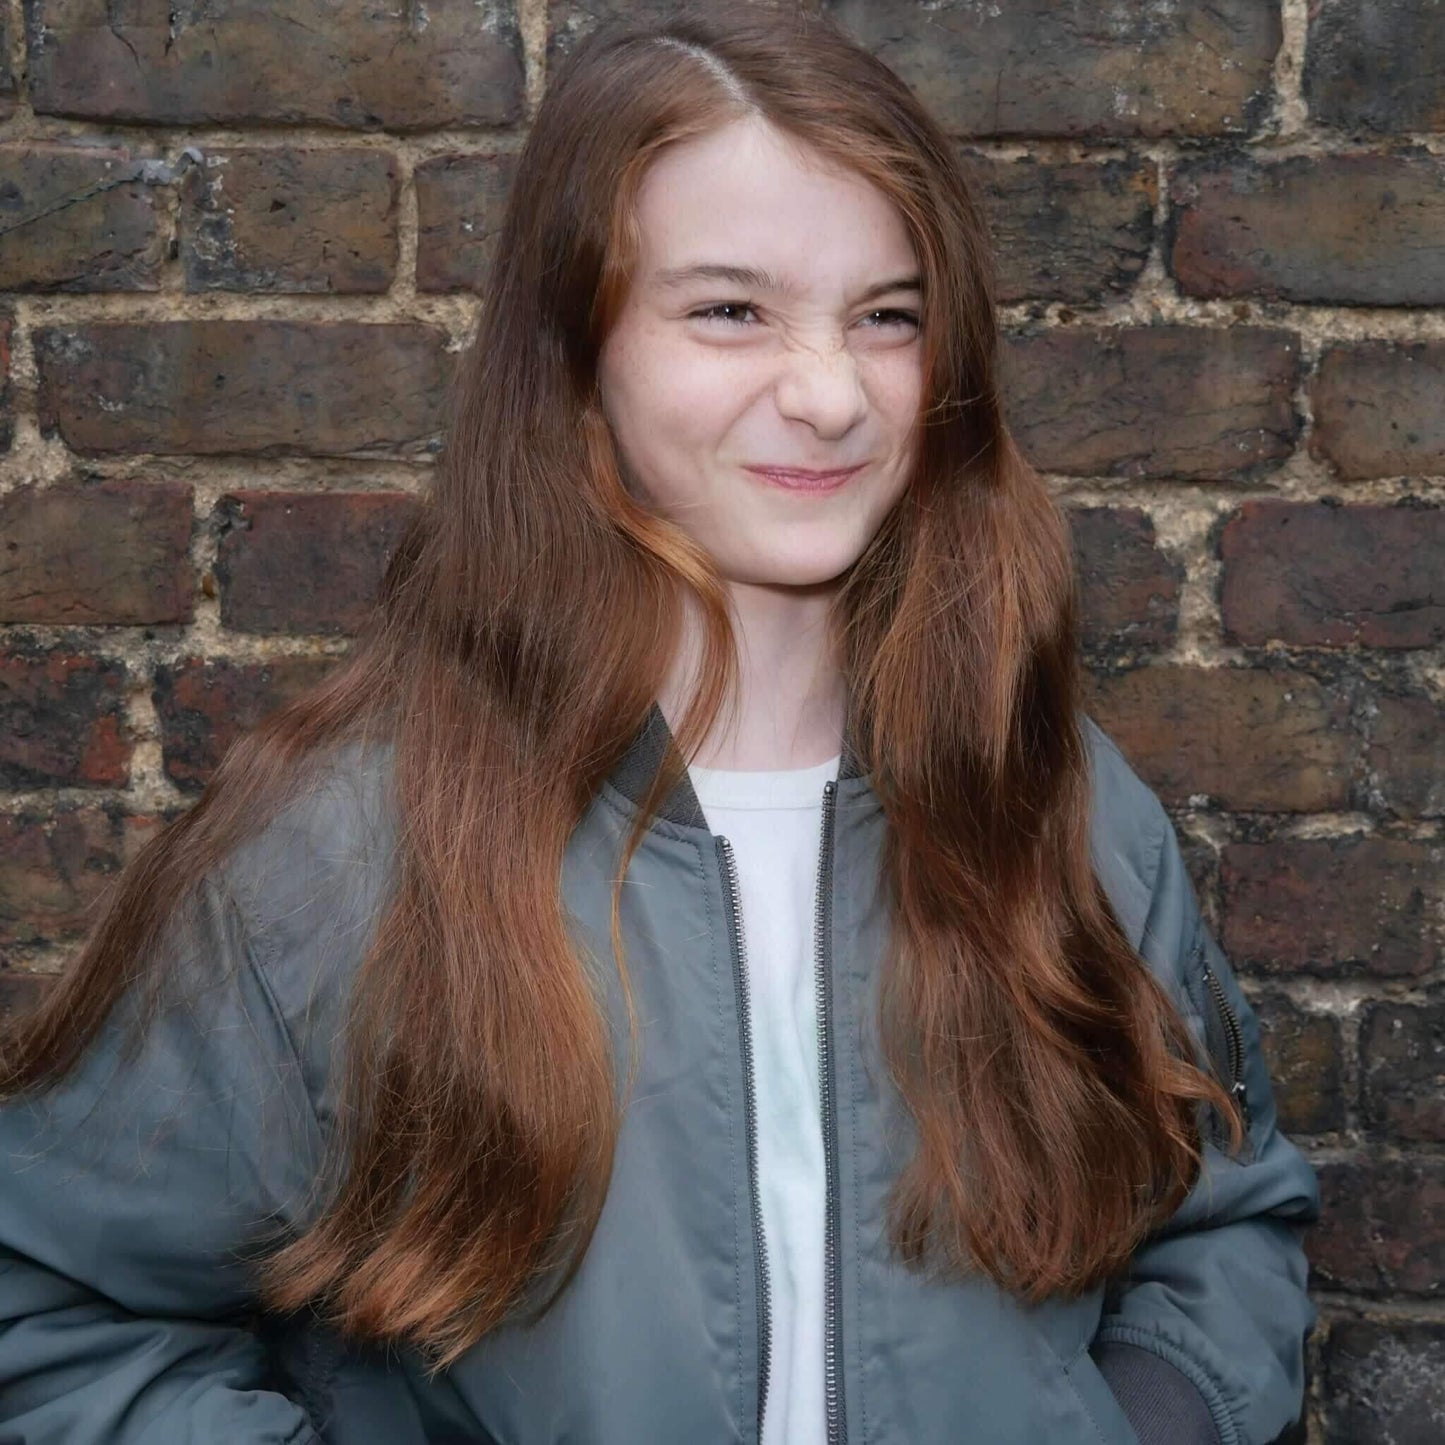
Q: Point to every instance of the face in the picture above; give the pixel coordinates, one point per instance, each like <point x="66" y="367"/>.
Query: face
<point x="814" y="363"/>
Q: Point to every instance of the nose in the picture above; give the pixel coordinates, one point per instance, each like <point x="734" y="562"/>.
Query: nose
<point x="820" y="384"/>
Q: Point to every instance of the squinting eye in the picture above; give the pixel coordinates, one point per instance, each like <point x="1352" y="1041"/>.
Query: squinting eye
<point x="709" y="312"/>
<point x="907" y="318"/>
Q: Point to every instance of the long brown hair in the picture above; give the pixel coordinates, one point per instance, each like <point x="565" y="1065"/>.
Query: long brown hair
<point x="521" y="637"/>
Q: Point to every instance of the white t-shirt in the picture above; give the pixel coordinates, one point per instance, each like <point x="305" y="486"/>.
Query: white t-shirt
<point x="773" y="821"/>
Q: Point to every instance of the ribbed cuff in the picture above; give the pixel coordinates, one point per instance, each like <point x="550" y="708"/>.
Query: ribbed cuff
<point x="1161" y="1402"/>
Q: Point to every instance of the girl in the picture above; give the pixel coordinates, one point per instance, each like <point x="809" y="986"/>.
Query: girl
<point x="695" y="974"/>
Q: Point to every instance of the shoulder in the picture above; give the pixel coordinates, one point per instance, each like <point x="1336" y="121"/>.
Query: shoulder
<point x="1129" y="830"/>
<point x="311" y="884"/>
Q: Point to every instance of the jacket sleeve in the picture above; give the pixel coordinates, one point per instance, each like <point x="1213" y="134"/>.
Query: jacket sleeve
<point x="1203" y="1340"/>
<point x="129" y="1196"/>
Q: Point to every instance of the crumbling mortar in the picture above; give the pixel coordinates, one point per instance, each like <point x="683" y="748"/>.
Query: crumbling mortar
<point x="532" y="21"/>
<point x="1290" y="115"/>
<point x="32" y="458"/>
<point x="403" y="282"/>
<point x="209" y="138"/>
<point x="450" y="313"/>
<point x="37" y="958"/>
<point x="1340" y="1305"/>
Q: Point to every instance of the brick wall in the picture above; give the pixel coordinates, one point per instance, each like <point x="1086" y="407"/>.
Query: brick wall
<point x="238" y="258"/>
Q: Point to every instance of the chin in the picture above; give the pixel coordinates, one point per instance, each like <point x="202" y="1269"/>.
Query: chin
<point x="812" y="570"/>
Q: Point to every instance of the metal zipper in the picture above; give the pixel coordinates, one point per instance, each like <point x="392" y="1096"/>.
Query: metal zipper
<point x="1236" y="1044"/>
<point x="837" y="1425"/>
<point x="750" y="1121"/>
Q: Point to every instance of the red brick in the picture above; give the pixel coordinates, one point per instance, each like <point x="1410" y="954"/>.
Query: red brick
<point x="54" y="869"/>
<point x="1306" y="1064"/>
<point x="1406" y="756"/>
<point x="449" y="62"/>
<point x="1041" y="68"/>
<point x="1129" y="588"/>
<point x="1243" y="738"/>
<point x="1382" y="1226"/>
<point x="77" y="218"/>
<point x="304" y="562"/>
<point x="348" y="388"/>
<point x="460" y="202"/>
<point x="1375" y="67"/>
<point x="103" y="552"/>
<point x="292" y="220"/>
<point x="1323" y="575"/>
<point x="7" y="417"/>
<point x="204" y="706"/>
<point x="1153" y="401"/>
<point x="20" y="992"/>
<point x="1334" y="906"/>
<point x="1377" y="408"/>
<point x="1384" y="1381"/>
<point x="1075" y="231"/>
<point x="1362" y="229"/>
<point x="62" y="721"/>
<point x="1402" y="1063"/>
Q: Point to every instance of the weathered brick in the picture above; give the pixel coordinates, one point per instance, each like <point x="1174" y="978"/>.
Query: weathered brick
<point x="449" y="62"/>
<point x="1129" y="588"/>
<point x="460" y="202"/>
<point x="109" y="551"/>
<point x="61" y="721"/>
<point x="1306" y="1065"/>
<point x="1241" y="737"/>
<point x="1075" y="231"/>
<point x="1377" y="408"/>
<point x="205" y="705"/>
<point x="1155" y="401"/>
<point x="1376" y="66"/>
<point x="1201" y="862"/>
<point x="1322" y="575"/>
<point x="77" y="218"/>
<point x="1040" y="68"/>
<point x="7" y="416"/>
<point x="1334" y="906"/>
<point x="20" y="992"/>
<point x="1402" y="1062"/>
<point x="1406" y="755"/>
<point x="293" y="220"/>
<point x="1382" y="1226"/>
<point x="334" y="388"/>
<point x="1346" y="229"/>
<point x="1384" y="1383"/>
<point x="54" y="869"/>
<point x="305" y="562"/>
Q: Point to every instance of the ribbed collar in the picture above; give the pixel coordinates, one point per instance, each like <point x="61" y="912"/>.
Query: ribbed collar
<point x="638" y="766"/>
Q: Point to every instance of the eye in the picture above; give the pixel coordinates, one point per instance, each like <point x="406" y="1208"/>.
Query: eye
<point x="897" y="318"/>
<point x="709" y="312"/>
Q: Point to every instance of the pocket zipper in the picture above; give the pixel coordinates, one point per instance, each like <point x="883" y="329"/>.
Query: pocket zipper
<point x="1235" y="1037"/>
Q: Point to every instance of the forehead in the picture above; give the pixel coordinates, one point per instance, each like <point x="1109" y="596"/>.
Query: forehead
<point x="749" y="195"/>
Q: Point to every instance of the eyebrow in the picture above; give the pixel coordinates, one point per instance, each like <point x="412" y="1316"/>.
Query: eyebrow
<point x="757" y="280"/>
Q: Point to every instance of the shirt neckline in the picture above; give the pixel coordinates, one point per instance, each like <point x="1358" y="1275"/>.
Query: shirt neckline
<point x="763" y="788"/>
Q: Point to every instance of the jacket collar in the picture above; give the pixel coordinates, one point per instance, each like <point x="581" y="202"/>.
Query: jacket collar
<point x="638" y="766"/>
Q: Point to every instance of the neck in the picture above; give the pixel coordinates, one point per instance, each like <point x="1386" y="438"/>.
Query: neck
<point x="791" y="698"/>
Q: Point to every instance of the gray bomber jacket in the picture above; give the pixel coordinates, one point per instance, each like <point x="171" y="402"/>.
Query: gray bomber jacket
<point x="129" y="1194"/>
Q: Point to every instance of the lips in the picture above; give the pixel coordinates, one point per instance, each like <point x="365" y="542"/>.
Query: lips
<point x="802" y="479"/>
